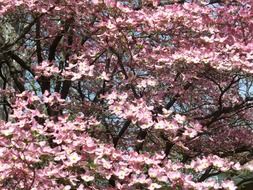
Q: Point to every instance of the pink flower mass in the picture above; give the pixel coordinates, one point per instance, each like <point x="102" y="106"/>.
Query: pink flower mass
<point x="126" y="94"/>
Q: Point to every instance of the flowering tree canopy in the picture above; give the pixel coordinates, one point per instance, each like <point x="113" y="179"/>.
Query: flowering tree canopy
<point x="120" y="94"/>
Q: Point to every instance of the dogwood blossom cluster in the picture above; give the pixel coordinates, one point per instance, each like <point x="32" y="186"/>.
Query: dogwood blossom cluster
<point x="60" y="154"/>
<point x="125" y="94"/>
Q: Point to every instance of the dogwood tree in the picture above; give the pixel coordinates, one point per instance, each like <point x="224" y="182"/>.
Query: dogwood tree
<point x="106" y="94"/>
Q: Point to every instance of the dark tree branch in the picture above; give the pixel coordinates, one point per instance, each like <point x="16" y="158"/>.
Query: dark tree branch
<point x="174" y="99"/>
<point x="121" y="132"/>
<point x="223" y="91"/>
<point x="20" y="61"/>
<point x="79" y="89"/>
<point x="5" y="102"/>
<point x="45" y="81"/>
<point x="141" y="137"/>
<point x="38" y="44"/>
<point x="14" y="74"/>
<point x="206" y="174"/>
<point x="67" y="83"/>
<point x="244" y="181"/>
